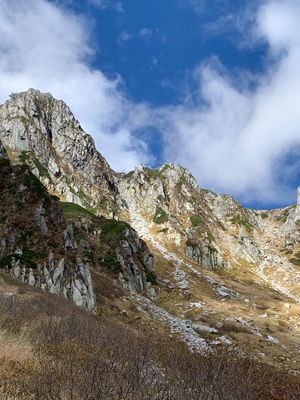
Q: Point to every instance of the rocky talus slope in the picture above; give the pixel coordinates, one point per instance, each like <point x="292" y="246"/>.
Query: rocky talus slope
<point x="224" y="275"/>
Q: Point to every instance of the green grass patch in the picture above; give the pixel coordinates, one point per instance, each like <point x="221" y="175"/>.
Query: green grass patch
<point x="207" y="191"/>
<point x="103" y="200"/>
<point x="196" y="220"/>
<point x="210" y="237"/>
<point x="34" y="184"/>
<point x="111" y="262"/>
<point x="28" y="259"/>
<point x="73" y="211"/>
<point x="152" y="173"/>
<point x="160" y="216"/>
<point x="295" y="261"/>
<point x="112" y="228"/>
<point x="242" y="221"/>
<point x="165" y="230"/>
<point x="285" y="213"/>
<point x="165" y="168"/>
<point x="129" y="175"/>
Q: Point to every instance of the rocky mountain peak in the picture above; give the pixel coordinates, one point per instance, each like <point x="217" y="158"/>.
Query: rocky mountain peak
<point x="172" y="173"/>
<point x="42" y="132"/>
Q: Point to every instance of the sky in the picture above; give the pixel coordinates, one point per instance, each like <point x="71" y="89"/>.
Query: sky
<point x="213" y="85"/>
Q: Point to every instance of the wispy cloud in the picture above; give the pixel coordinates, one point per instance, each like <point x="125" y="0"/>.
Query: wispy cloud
<point x="105" y="4"/>
<point x="238" y="133"/>
<point x="197" y="5"/>
<point x="146" y="33"/>
<point x="124" y="37"/>
<point x="46" y="47"/>
<point x="239" y="140"/>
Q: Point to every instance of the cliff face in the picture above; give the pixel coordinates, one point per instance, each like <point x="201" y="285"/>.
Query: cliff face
<point x="167" y="205"/>
<point x="169" y="209"/>
<point x="55" y="246"/>
<point x="42" y="131"/>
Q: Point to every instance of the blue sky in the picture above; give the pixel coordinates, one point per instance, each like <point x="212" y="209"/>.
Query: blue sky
<point x="212" y="85"/>
<point x="153" y="44"/>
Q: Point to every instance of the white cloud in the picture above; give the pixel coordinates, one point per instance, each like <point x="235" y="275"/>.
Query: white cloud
<point x="146" y="33"/>
<point x="46" y="47"/>
<point x="232" y="137"/>
<point x="235" y="139"/>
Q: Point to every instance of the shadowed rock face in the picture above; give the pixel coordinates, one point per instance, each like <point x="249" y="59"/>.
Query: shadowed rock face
<point x="31" y="239"/>
<point x="42" y="247"/>
<point x="3" y="153"/>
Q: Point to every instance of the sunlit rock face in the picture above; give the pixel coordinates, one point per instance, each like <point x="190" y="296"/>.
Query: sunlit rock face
<point x="42" y="132"/>
<point x="165" y="206"/>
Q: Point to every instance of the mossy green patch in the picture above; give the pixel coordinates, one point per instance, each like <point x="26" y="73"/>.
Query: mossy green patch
<point x="112" y="228"/>
<point x="35" y="185"/>
<point x="210" y="237"/>
<point x="28" y="259"/>
<point x="152" y="173"/>
<point x="196" y="220"/>
<point x="73" y="211"/>
<point x="286" y="213"/>
<point x="160" y="216"/>
<point x="295" y="261"/>
<point x="111" y="262"/>
<point x="129" y="175"/>
<point x="242" y="220"/>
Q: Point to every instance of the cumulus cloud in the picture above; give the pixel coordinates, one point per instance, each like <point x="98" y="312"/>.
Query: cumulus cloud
<point x="47" y="47"/>
<point x="237" y="139"/>
<point x="238" y="133"/>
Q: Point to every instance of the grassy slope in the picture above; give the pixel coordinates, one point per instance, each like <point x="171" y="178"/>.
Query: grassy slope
<point x="52" y="349"/>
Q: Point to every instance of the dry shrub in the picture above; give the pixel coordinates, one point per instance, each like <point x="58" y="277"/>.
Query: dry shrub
<point x="80" y="356"/>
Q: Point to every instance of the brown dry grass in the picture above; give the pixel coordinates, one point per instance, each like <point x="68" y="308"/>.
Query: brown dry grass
<point x="52" y="350"/>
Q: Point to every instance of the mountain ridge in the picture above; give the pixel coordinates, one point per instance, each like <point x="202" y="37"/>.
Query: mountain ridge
<point x="217" y="263"/>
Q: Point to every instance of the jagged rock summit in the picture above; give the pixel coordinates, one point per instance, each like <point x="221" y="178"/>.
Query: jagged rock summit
<point x="44" y="132"/>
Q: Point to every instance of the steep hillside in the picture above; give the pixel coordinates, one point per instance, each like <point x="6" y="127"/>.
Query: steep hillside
<point x="225" y="276"/>
<point x="55" y="245"/>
